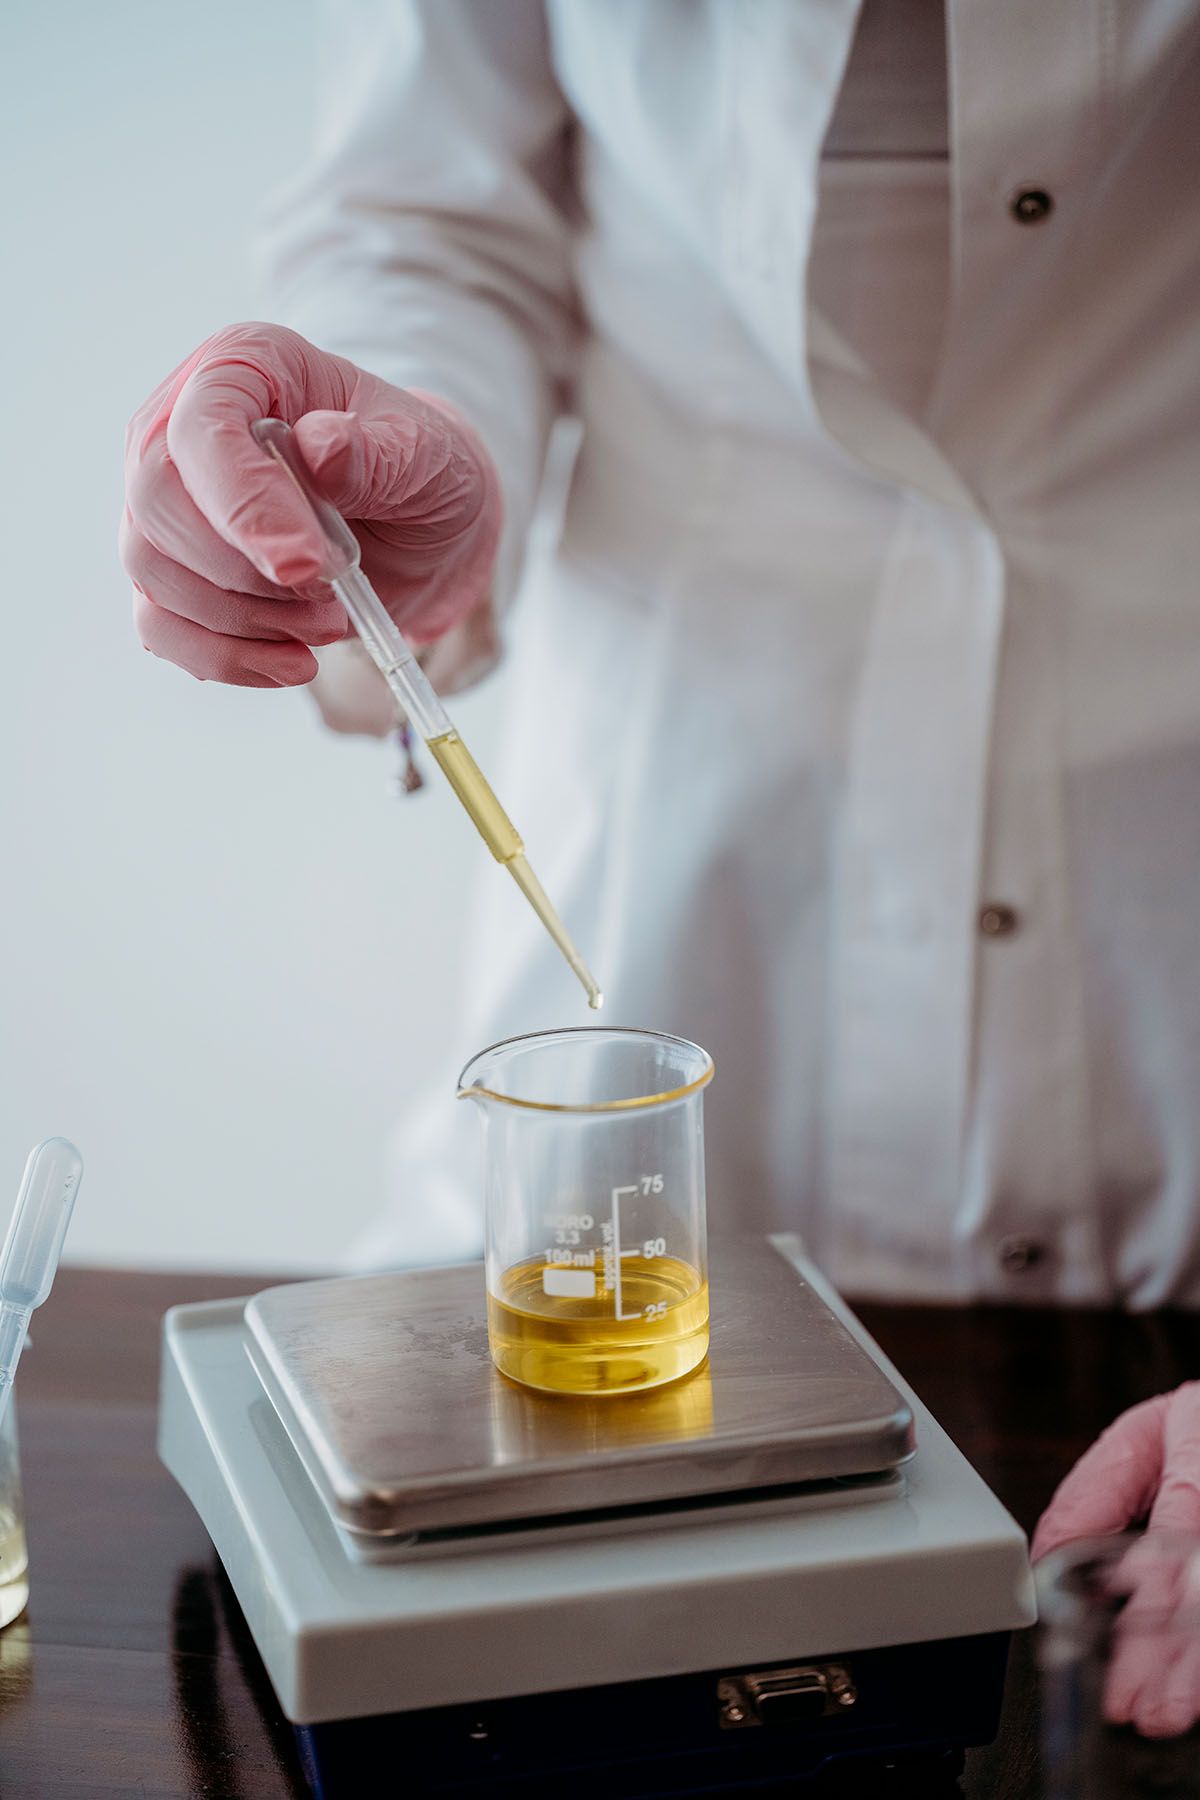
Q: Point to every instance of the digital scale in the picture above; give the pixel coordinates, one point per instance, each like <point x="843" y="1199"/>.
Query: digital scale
<point x="779" y="1569"/>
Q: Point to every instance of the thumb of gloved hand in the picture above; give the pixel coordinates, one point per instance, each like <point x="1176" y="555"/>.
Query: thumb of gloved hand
<point x="1144" y="1469"/>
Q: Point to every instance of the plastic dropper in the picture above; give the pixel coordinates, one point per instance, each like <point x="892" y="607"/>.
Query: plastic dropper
<point x="394" y="659"/>
<point x="33" y="1246"/>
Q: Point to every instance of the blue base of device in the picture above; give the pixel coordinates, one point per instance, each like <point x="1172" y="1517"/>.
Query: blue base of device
<point x="917" y="1708"/>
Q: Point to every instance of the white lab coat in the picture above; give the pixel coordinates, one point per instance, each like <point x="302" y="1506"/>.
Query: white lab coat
<point x="805" y="687"/>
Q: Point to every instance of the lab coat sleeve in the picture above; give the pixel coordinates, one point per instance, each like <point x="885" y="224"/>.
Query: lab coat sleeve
<point x="429" y="237"/>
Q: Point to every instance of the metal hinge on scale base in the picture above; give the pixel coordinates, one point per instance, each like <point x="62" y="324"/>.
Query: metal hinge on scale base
<point x="794" y="1696"/>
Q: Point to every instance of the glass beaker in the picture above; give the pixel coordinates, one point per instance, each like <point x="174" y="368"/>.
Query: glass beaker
<point x="14" y="1562"/>
<point x="1119" y="1667"/>
<point x="597" y="1269"/>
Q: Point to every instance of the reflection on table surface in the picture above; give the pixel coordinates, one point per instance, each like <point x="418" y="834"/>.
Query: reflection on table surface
<point x="94" y="1697"/>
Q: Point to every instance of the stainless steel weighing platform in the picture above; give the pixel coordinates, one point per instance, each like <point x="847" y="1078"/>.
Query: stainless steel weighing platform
<point x="743" y="1578"/>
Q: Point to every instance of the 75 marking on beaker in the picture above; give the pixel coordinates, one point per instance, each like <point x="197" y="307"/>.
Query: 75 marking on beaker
<point x="642" y="1188"/>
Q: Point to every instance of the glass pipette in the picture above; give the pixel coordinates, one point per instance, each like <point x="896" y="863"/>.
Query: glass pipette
<point x="409" y="684"/>
<point x="393" y="657"/>
<point x="33" y="1246"/>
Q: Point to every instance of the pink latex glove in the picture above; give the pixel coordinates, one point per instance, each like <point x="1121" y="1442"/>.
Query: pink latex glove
<point x="1145" y="1467"/>
<point x="223" y="553"/>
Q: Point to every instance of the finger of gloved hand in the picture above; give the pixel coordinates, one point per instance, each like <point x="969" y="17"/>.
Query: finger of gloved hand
<point x="165" y="514"/>
<point x="150" y="418"/>
<point x="1135" y="1664"/>
<point x="1173" y="1707"/>
<point x="1148" y="1583"/>
<point x="219" y="609"/>
<point x="1112" y="1484"/>
<point x="1177" y="1504"/>
<point x="212" y="656"/>
<point x="247" y="498"/>
<point x="1154" y="1678"/>
<point x="1139" y="1592"/>
<point x="1153" y="1681"/>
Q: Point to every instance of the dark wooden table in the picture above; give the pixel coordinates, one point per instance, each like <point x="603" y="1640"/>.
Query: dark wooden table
<point x="132" y="1677"/>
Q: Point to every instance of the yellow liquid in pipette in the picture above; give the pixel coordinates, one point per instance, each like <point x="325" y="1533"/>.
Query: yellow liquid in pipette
<point x="504" y="841"/>
<point x="574" y="1346"/>
<point x="469" y="783"/>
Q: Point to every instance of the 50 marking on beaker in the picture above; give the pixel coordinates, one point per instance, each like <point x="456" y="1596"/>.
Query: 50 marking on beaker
<point x="588" y="1315"/>
<point x="611" y="1233"/>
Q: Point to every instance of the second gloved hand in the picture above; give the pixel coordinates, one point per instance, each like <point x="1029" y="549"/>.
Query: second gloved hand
<point x="1144" y="1469"/>
<point x="224" y="555"/>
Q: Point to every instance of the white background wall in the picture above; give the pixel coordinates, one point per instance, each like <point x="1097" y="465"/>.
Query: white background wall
<point x="194" y="873"/>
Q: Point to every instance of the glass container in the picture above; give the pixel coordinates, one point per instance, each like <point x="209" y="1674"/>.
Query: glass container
<point x="14" y="1563"/>
<point x="1119" y="1663"/>
<point x="597" y="1271"/>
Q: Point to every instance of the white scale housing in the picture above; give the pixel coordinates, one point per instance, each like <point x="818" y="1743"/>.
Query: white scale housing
<point x="349" y="1627"/>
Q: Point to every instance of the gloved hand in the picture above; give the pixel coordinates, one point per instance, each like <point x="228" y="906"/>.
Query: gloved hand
<point x="1145" y="1467"/>
<point x="224" y="554"/>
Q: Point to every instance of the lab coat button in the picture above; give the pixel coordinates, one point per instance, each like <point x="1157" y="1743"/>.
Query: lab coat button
<point x="1029" y="206"/>
<point x="1017" y="1254"/>
<point x="997" y="920"/>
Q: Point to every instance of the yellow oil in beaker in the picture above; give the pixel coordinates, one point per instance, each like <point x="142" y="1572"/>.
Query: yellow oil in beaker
<point x="572" y="1345"/>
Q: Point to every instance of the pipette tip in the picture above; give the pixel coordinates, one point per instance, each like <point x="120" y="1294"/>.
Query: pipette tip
<point x="595" y="999"/>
